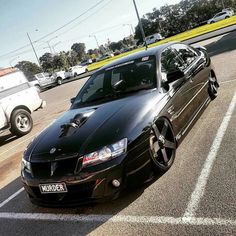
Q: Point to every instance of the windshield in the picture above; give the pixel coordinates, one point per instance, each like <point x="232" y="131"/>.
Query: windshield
<point x="119" y="80"/>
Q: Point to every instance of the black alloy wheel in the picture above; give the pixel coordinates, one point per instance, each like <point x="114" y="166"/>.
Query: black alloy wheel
<point x="213" y="86"/>
<point x="162" y="145"/>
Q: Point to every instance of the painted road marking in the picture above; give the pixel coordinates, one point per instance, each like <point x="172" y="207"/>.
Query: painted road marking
<point x="119" y="219"/>
<point x="203" y="177"/>
<point x="227" y="81"/>
<point x="11" y="197"/>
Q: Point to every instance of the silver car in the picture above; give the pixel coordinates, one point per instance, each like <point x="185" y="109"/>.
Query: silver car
<point x="220" y="16"/>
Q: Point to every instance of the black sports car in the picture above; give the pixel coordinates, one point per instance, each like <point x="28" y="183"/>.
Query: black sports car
<point x="125" y="123"/>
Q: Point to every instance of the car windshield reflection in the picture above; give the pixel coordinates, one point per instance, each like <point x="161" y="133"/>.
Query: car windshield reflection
<point x="120" y="80"/>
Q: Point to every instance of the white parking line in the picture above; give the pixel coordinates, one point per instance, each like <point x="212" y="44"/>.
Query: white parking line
<point x="119" y="219"/>
<point x="227" y="81"/>
<point x="11" y="197"/>
<point x="203" y="178"/>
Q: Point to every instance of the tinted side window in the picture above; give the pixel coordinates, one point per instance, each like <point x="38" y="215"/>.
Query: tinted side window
<point x="185" y="53"/>
<point x="94" y="87"/>
<point x="169" y="61"/>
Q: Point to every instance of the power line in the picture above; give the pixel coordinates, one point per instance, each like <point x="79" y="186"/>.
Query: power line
<point x="54" y="31"/>
<point x="64" y="32"/>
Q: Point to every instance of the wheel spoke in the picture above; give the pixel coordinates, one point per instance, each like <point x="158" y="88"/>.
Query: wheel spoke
<point x="169" y="144"/>
<point x="164" y="128"/>
<point x="156" y="147"/>
<point x="164" y="154"/>
<point x="156" y="131"/>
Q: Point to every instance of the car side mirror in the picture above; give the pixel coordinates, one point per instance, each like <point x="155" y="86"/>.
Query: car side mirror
<point x="175" y="75"/>
<point x="72" y="100"/>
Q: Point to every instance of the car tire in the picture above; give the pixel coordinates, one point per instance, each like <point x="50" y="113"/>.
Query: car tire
<point x="213" y="86"/>
<point x="59" y="81"/>
<point x="226" y="17"/>
<point x="38" y="88"/>
<point x="212" y="22"/>
<point x="162" y="145"/>
<point x="75" y="74"/>
<point x="21" y="122"/>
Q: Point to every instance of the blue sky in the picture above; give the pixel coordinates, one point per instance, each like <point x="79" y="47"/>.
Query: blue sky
<point x="40" y="17"/>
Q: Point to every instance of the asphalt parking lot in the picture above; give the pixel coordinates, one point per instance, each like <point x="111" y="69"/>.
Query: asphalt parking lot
<point x="195" y="197"/>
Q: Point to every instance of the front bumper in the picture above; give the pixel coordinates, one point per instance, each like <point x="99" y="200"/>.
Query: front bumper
<point x="43" y="104"/>
<point x="82" y="188"/>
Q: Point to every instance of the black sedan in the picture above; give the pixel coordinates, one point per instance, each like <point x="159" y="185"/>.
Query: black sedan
<point x="124" y="124"/>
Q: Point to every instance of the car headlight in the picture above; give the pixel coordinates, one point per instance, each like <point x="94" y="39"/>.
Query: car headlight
<point x="25" y="165"/>
<point x="106" y="153"/>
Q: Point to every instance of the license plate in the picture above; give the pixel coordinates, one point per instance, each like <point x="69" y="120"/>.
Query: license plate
<point x="53" y="188"/>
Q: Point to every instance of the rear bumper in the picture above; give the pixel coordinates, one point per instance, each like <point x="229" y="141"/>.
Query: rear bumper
<point x="43" y="104"/>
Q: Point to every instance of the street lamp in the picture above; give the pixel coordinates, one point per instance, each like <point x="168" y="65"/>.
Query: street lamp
<point x="33" y="48"/>
<point x="131" y="27"/>
<point x="140" y="24"/>
<point x="95" y="39"/>
<point x="48" y="43"/>
<point x="54" y="45"/>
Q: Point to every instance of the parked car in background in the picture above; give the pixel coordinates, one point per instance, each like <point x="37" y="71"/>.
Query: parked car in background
<point x="76" y="70"/>
<point x="86" y="62"/>
<point x="59" y="76"/>
<point x="153" y="38"/>
<point x="42" y="81"/>
<point x="104" y="57"/>
<point x="17" y="101"/>
<point x="220" y="16"/>
<point x="229" y="10"/>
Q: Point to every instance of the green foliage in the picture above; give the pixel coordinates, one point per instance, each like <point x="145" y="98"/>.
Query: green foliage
<point x="29" y="68"/>
<point x="187" y="14"/>
<point x="79" y="48"/>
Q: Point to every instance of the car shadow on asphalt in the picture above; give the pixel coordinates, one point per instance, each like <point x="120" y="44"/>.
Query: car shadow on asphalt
<point x="224" y="44"/>
<point x="21" y="204"/>
<point x="7" y="138"/>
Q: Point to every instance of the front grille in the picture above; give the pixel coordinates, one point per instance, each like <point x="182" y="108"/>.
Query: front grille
<point x="75" y="193"/>
<point x="57" y="168"/>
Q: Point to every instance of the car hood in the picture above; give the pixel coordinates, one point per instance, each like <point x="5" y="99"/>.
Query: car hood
<point x="84" y="130"/>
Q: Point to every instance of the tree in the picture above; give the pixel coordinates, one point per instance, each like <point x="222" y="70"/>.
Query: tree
<point x="79" y="48"/>
<point x="71" y="57"/>
<point x="60" y="61"/>
<point x="29" y="68"/>
<point x="46" y="61"/>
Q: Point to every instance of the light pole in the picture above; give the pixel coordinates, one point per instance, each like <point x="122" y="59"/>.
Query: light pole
<point x="48" y="43"/>
<point x="140" y="24"/>
<point x="33" y="49"/>
<point x="54" y="45"/>
<point x="95" y="39"/>
<point x="131" y="27"/>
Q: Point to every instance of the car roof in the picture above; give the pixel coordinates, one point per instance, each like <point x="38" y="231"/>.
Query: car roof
<point x="155" y="51"/>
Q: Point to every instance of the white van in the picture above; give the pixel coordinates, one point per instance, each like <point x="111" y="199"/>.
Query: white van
<point x="17" y="101"/>
<point x="153" y="38"/>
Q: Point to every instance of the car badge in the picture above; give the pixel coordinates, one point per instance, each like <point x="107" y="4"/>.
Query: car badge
<point x="53" y="167"/>
<point x="53" y="150"/>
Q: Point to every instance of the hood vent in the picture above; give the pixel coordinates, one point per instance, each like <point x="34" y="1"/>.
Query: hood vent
<point x="79" y="119"/>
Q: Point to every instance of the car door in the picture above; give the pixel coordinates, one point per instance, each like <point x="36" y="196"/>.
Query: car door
<point x="3" y="119"/>
<point x="40" y="77"/>
<point x="178" y="91"/>
<point x="196" y="77"/>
